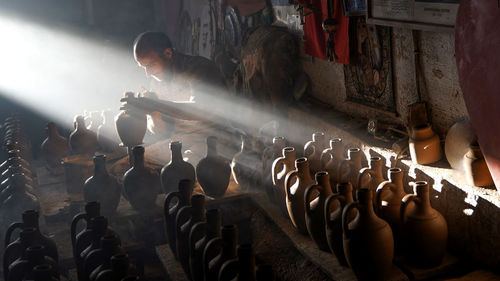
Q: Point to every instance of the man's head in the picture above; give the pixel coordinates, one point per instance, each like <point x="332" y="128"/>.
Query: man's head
<point x="153" y="52"/>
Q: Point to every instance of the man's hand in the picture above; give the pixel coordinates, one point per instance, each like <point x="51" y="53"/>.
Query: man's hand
<point x="140" y="104"/>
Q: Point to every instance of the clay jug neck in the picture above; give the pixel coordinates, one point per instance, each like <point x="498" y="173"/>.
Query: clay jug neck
<point x="229" y="237"/>
<point x="28" y="236"/>
<point x="80" y="124"/>
<point x="99" y="226"/>
<point x="355" y="156"/>
<point x="246" y="261"/>
<point x="138" y="157"/>
<point x="198" y="208"/>
<point x="279" y="143"/>
<point x="42" y="273"/>
<point x="303" y="170"/>
<point x="92" y="209"/>
<point x="100" y="166"/>
<point x="395" y="175"/>
<point x="120" y="263"/>
<point x="212" y="147"/>
<point x="185" y="191"/>
<point x="109" y="245"/>
<point x="213" y="223"/>
<point x="365" y="199"/>
<point x="319" y="140"/>
<point x="52" y="131"/>
<point x="176" y="149"/>
<point x="289" y="154"/>
<point x="422" y="191"/>
<point x="30" y="219"/>
<point x="422" y="132"/>
<point x="376" y="165"/>
<point x="336" y="147"/>
<point x="323" y="179"/>
<point x="18" y="183"/>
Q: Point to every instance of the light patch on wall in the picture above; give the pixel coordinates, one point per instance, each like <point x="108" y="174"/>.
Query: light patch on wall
<point x="468" y="212"/>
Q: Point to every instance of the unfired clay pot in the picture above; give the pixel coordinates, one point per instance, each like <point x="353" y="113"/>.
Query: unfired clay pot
<point x="315" y="196"/>
<point x="213" y="171"/>
<point x="281" y="167"/>
<point x="131" y="125"/>
<point x="176" y="170"/>
<point x="476" y="170"/>
<point x="424" y="145"/>
<point x="269" y="155"/>
<point x="313" y="150"/>
<point x="353" y="163"/>
<point x="82" y="140"/>
<point x="331" y="158"/>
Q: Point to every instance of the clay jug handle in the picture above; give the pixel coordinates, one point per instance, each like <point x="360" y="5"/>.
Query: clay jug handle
<point x="228" y="270"/>
<point x="74" y="223"/>
<point x="383" y="186"/>
<point x="288" y="183"/>
<point x="404" y="206"/>
<point x="9" y="231"/>
<point x="166" y="204"/>
<point x="307" y="195"/>
<point x="345" y="217"/>
<point x="341" y="166"/>
<point x="197" y="232"/>
<point x="309" y="150"/>
<point x="326" y="156"/>
<point x="334" y="198"/>
<point x="276" y="165"/>
<point x="211" y="250"/>
<point x="182" y="218"/>
<point x="362" y="173"/>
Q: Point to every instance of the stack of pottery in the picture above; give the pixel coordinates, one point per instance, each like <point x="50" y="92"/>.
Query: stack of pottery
<point x="331" y="158"/>
<point x="270" y="154"/>
<point x="213" y="171"/>
<point x="424" y="144"/>
<point x="176" y="170"/>
<point x="281" y="167"/>
<point x="54" y="147"/>
<point x="313" y="150"/>
<point x="82" y="140"/>
<point x="23" y="268"/>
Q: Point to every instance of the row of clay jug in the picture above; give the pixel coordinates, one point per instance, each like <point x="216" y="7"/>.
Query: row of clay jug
<point x="29" y="250"/>
<point x="15" y="137"/>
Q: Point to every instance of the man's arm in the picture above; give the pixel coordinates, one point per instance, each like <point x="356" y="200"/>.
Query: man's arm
<point x="179" y="110"/>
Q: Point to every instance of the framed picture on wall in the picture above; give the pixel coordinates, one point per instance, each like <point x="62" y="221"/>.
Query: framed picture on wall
<point x="354" y="7"/>
<point x="433" y="15"/>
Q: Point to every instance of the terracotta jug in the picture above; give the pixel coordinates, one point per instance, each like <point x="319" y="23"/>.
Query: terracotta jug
<point x="281" y="167"/>
<point x="102" y="187"/>
<point x="92" y="210"/>
<point x="98" y="229"/>
<point x="43" y="273"/>
<point x="176" y="170"/>
<point x="30" y="220"/>
<point x="313" y="150"/>
<point x="270" y="154"/>
<point x="388" y="202"/>
<point x="368" y="240"/>
<point x="296" y="183"/>
<point x="476" y="170"/>
<point x="334" y="205"/>
<point x="245" y="166"/>
<point x="16" y="249"/>
<point x="331" y="158"/>
<point x="131" y="125"/>
<point x="100" y="259"/>
<point x="141" y="184"/>
<point x="213" y="171"/>
<point x="371" y="176"/>
<point x="54" y="147"/>
<point x="186" y="218"/>
<point x="22" y="268"/>
<point x="424" y="144"/>
<point x="174" y="201"/>
<point x="315" y="196"/>
<point x="82" y="140"/>
<point x="241" y="268"/>
<point x="120" y="267"/>
<point x="220" y="250"/>
<point x="201" y="233"/>
<point x="353" y="161"/>
<point x="425" y="231"/>
<point x="107" y="137"/>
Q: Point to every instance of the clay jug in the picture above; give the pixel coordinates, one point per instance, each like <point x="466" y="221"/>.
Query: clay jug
<point x="476" y="170"/>
<point x="201" y="233"/>
<point x="371" y="176"/>
<point x="424" y="145"/>
<point x="174" y="201"/>
<point x="82" y="140"/>
<point x="296" y="183"/>
<point x="313" y="150"/>
<point x="30" y="220"/>
<point x="388" y="202"/>
<point x="315" y="196"/>
<point x="106" y="133"/>
<point x="98" y="229"/>
<point x="27" y="238"/>
<point x="176" y="170"/>
<point x="141" y="184"/>
<point x="241" y="268"/>
<point x="54" y="147"/>
<point x="186" y="218"/>
<point x="281" y="167"/>
<point x="92" y="210"/>
<point x="102" y="187"/>
<point x="353" y="161"/>
<point x="331" y="158"/>
<point x="245" y="166"/>
<point x="334" y="205"/>
<point x="100" y="259"/>
<point x="270" y="154"/>
<point x="131" y="125"/>
<point x="220" y="250"/>
<point x="43" y="273"/>
<point x="368" y="240"/>
<point x="120" y="267"/>
<point x="425" y="231"/>
<point x="22" y="268"/>
<point x="213" y="171"/>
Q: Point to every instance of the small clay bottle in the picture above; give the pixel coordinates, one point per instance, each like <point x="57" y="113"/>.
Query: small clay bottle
<point x="268" y="156"/>
<point x="241" y="268"/>
<point x="220" y="250"/>
<point x="353" y="161"/>
<point x="181" y="198"/>
<point x="102" y="187"/>
<point x="213" y="171"/>
<point x="245" y="165"/>
<point x="22" y="268"/>
<point x="368" y="240"/>
<point x="141" y="184"/>
<point x="296" y="183"/>
<point x="54" y="147"/>
<point x="476" y="170"/>
<point x="314" y="200"/>
<point x="331" y="158"/>
<point x="424" y="145"/>
<point x="176" y="170"/>
<point x="423" y="250"/>
<point x="82" y="140"/>
<point x="281" y="167"/>
<point x="313" y="150"/>
<point x="334" y="205"/>
<point x="201" y="233"/>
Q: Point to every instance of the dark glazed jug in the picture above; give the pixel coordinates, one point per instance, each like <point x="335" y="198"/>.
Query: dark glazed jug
<point x="314" y="201"/>
<point x="213" y="171"/>
<point x="82" y="140"/>
<point x="201" y="233"/>
<point x="296" y="183"/>
<point x="22" y="268"/>
<point x="183" y="198"/>
<point x="54" y="147"/>
<point x="186" y="218"/>
<point x="220" y="250"/>
<point x="176" y="170"/>
<point x="102" y="187"/>
<point x="141" y="184"/>
<point x="425" y="231"/>
<point x="368" y="240"/>
<point x="334" y="205"/>
<point x="241" y="268"/>
<point x="270" y="154"/>
<point x="331" y="158"/>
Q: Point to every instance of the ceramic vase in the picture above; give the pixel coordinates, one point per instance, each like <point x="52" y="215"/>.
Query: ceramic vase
<point x="331" y="158"/>
<point x="131" y="125"/>
<point x="313" y="150"/>
<point x="82" y="140"/>
<point x="270" y="154"/>
<point x="176" y="170"/>
<point x="353" y="163"/>
<point x="281" y="167"/>
<point x="54" y="147"/>
<point x="213" y="171"/>
<point x="474" y="165"/>
<point x="424" y="145"/>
